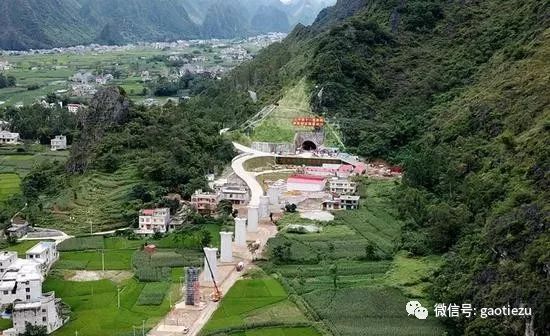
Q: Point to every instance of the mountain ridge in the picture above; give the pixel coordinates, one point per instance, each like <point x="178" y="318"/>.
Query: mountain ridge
<point x="43" y="24"/>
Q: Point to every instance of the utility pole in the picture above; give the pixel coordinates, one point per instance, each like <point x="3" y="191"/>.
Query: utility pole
<point x="90" y="221"/>
<point x="103" y="260"/>
<point x="143" y="328"/>
<point x="118" y="298"/>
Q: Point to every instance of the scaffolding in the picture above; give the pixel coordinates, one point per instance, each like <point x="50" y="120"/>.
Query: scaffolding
<point x="192" y="286"/>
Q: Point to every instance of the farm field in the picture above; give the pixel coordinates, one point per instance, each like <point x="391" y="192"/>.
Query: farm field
<point x="96" y="201"/>
<point x="9" y="185"/>
<point x="21" y="163"/>
<point x="94" y="306"/>
<point x="93" y="303"/>
<point x="255" y="302"/>
<point x="349" y="275"/>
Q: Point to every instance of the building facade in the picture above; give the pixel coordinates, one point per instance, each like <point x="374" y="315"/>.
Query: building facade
<point x="9" y="138"/>
<point x="45" y="254"/>
<point x="205" y="203"/>
<point x="237" y="195"/>
<point x="44" y="311"/>
<point x="74" y="108"/>
<point x="59" y="143"/>
<point x="342" y="187"/>
<point x="21" y="279"/>
<point x="152" y="221"/>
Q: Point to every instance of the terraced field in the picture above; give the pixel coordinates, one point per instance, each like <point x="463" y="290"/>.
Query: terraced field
<point x="22" y="163"/>
<point x="9" y="185"/>
<point x="97" y="200"/>
<point x="350" y="276"/>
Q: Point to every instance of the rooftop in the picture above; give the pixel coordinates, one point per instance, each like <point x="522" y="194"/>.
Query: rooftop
<point x="350" y="198"/>
<point x="312" y="179"/>
<point x="41" y="247"/>
<point x="6" y="255"/>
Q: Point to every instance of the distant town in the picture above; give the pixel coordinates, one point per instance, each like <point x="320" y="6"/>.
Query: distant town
<point x="150" y="72"/>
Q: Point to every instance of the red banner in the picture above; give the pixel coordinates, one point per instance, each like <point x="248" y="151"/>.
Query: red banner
<point x="309" y="121"/>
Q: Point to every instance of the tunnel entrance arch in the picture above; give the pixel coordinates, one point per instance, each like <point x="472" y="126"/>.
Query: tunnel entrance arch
<point x="309" y="145"/>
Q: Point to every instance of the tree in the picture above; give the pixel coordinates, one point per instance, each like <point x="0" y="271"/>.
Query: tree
<point x="32" y="330"/>
<point x="225" y="207"/>
<point x="370" y="252"/>
<point x="291" y="208"/>
<point x="333" y="271"/>
<point x="205" y="237"/>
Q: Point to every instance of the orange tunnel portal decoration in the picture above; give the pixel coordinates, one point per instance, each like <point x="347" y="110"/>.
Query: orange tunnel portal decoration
<point x="316" y="122"/>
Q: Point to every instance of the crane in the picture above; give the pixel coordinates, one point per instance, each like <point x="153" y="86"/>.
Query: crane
<point x="217" y="294"/>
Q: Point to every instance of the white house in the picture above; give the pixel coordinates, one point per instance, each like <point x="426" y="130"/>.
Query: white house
<point x="344" y="202"/>
<point x="9" y="138"/>
<point x="342" y="186"/>
<point x="59" y="143"/>
<point x="43" y="311"/>
<point x="152" y="221"/>
<point x="21" y="279"/>
<point x="45" y="254"/>
<point x="349" y="202"/>
<point x="74" y="108"/>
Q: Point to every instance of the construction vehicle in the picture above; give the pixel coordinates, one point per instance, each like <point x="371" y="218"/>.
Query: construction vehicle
<point x="217" y="294"/>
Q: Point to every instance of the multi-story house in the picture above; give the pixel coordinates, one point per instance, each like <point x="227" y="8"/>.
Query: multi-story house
<point x="44" y="311"/>
<point x="152" y="221"/>
<point x="45" y="254"/>
<point x="206" y="203"/>
<point x="20" y="279"/>
<point x="342" y="186"/>
<point x="238" y="195"/>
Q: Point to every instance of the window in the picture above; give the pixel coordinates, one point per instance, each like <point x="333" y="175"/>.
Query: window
<point x="5" y="292"/>
<point x="28" y="290"/>
<point x="28" y="297"/>
<point x="43" y="310"/>
<point x="44" y="319"/>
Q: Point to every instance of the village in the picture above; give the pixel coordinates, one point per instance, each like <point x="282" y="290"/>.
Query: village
<point x="266" y="181"/>
<point x="75" y="74"/>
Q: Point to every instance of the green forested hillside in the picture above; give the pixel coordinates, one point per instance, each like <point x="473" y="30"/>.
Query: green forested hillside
<point x="457" y="92"/>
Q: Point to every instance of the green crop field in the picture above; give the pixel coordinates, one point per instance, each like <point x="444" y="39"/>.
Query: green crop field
<point x="9" y="185"/>
<point x="369" y="311"/>
<point x="94" y="306"/>
<point x="21" y="164"/>
<point x="153" y="293"/>
<point x="92" y="260"/>
<point x="254" y="302"/>
<point x="350" y="275"/>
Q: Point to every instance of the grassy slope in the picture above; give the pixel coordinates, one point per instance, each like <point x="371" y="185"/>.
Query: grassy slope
<point x="294" y="103"/>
